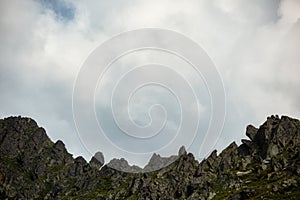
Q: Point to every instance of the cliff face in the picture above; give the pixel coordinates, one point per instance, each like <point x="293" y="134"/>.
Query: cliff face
<point x="265" y="166"/>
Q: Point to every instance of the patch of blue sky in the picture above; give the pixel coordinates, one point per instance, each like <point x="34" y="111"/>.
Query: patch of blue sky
<point x="63" y="10"/>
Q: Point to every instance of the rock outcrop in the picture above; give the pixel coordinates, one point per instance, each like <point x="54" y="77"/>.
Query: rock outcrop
<point x="265" y="166"/>
<point x="97" y="160"/>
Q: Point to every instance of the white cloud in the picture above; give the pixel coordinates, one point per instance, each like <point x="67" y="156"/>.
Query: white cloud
<point x="255" y="45"/>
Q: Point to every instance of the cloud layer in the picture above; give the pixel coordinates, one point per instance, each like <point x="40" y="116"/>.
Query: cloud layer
<point x="254" y="44"/>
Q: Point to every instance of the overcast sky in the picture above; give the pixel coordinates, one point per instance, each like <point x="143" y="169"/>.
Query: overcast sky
<point x="254" y="44"/>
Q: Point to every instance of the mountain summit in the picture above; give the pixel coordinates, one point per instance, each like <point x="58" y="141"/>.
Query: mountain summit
<point x="265" y="166"/>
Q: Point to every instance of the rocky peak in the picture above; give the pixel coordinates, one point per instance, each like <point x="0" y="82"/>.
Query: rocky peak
<point x="251" y="132"/>
<point x="97" y="160"/>
<point x="59" y="150"/>
<point x="272" y="136"/>
<point x="157" y="162"/>
<point x="182" y="151"/>
<point x="20" y="135"/>
<point x="122" y="165"/>
<point x="265" y="167"/>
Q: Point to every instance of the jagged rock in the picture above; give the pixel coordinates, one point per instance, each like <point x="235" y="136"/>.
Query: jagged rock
<point x="157" y="162"/>
<point x="79" y="167"/>
<point x="122" y="165"/>
<point x="248" y="143"/>
<point x="97" y="160"/>
<point x="265" y="167"/>
<point x="59" y="150"/>
<point x="212" y="161"/>
<point x="228" y="156"/>
<point x="182" y="151"/>
<point x="251" y="132"/>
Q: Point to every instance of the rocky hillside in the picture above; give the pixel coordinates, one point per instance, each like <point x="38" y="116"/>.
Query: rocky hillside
<point x="267" y="166"/>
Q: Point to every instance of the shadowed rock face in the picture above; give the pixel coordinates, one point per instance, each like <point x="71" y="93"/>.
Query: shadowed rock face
<point x="267" y="165"/>
<point x="97" y="160"/>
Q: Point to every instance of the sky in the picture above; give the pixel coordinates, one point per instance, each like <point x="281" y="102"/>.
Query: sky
<point x="44" y="44"/>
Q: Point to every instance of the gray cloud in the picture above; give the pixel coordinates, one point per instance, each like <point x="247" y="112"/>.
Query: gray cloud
<point x="255" y="45"/>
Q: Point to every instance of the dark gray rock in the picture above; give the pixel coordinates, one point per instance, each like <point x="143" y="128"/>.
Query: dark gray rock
<point x="182" y="151"/>
<point x="265" y="167"/>
<point x="251" y="132"/>
<point x="97" y="160"/>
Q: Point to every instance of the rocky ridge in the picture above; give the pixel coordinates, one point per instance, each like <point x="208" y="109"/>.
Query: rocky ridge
<point x="265" y="166"/>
